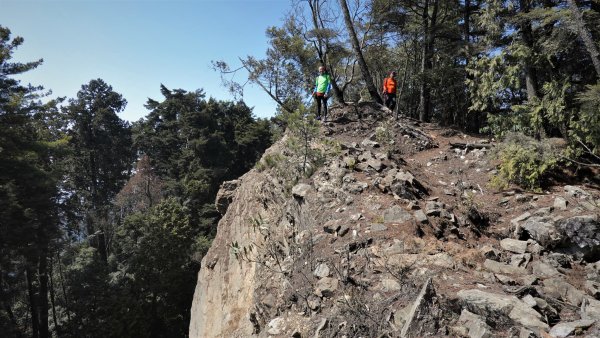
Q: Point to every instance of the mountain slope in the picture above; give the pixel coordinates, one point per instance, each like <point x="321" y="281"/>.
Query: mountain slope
<point x="396" y="233"/>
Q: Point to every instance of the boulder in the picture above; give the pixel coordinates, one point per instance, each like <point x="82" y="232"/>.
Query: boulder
<point x="368" y="143"/>
<point x="590" y="308"/>
<point x="501" y="309"/>
<point x="396" y="214"/>
<point x="420" y="217"/>
<point x="514" y="245"/>
<point x="558" y="288"/>
<point x="520" y="260"/>
<point x="433" y="208"/>
<point x="326" y="287"/>
<point x="300" y="190"/>
<point x="475" y="326"/>
<point x="501" y="268"/>
<point x="544" y="270"/>
<point x="424" y="314"/>
<point x="560" y="203"/>
<point x="581" y="236"/>
<point x="322" y="271"/>
<point x="225" y="195"/>
<point x="565" y="329"/>
<point x="543" y="232"/>
<point x="276" y="326"/>
<point x="577" y="192"/>
<point x="404" y="184"/>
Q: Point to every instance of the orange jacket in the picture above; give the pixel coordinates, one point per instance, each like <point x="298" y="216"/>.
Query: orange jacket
<point x="389" y="85"/>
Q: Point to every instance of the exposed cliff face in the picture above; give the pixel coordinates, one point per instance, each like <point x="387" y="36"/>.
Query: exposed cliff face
<point x="399" y="239"/>
<point x="224" y="296"/>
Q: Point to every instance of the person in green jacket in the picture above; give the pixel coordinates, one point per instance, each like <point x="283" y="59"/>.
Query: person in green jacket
<point x="321" y="91"/>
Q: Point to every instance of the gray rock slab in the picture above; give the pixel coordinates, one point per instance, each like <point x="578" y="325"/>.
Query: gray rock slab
<point x="501" y="308"/>
<point x="559" y="288"/>
<point x="514" y="245"/>
<point x="501" y="268"/>
<point x="574" y="191"/>
<point x="544" y="270"/>
<point x="377" y="227"/>
<point x="420" y="217"/>
<point x="396" y="214"/>
<point x="475" y="326"/>
<point x="322" y="270"/>
<point x="581" y="233"/>
<point x="326" y="287"/>
<point x="520" y="218"/>
<point x="276" y="326"/>
<point x="565" y="329"/>
<point x="590" y="308"/>
<point x="560" y="203"/>
<point x="420" y="317"/>
<point x="301" y="190"/>
<point x="389" y="285"/>
<point x="520" y="260"/>
<point x="545" y="233"/>
<point x="489" y="252"/>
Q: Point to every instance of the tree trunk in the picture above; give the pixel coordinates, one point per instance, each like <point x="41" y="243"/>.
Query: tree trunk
<point x="14" y="329"/>
<point x="373" y="92"/>
<point x="531" y="82"/>
<point x="43" y="292"/>
<point x="427" y="59"/>
<point x="63" y="288"/>
<point x="35" y="327"/>
<point x="53" y="298"/>
<point x="154" y="327"/>
<point x="469" y="124"/>
<point x="584" y="34"/>
<point x="402" y="84"/>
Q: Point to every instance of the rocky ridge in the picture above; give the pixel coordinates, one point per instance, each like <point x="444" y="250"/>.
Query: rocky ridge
<point x="397" y="234"/>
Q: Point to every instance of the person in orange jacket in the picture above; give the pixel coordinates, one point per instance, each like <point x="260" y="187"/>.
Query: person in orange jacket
<point x="389" y="91"/>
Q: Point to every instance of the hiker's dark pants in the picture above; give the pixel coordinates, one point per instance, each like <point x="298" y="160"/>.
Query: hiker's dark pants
<point x="321" y="99"/>
<point x="390" y="100"/>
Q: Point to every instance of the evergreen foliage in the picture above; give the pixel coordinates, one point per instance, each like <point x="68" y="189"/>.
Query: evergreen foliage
<point x="524" y="161"/>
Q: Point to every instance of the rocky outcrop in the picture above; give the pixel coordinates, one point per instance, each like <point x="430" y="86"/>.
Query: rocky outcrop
<point x="395" y="235"/>
<point x="225" y="195"/>
<point x="224" y="300"/>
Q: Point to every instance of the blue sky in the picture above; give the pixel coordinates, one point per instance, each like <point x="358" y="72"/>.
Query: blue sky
<point x="135" y="45"/>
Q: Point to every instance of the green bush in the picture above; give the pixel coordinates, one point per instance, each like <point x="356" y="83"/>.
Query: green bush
<point x="524" y="161"/>
<point x="269" y="161"/>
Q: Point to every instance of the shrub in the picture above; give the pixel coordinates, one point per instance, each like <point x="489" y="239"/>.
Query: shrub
<point x="524" y="161"/>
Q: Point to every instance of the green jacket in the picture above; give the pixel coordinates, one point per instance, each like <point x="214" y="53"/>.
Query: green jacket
<point x="322" y="84"/>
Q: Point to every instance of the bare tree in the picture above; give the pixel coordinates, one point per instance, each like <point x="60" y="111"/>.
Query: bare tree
<point x="321" y="37"/>
<point x="356" y="46"/>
